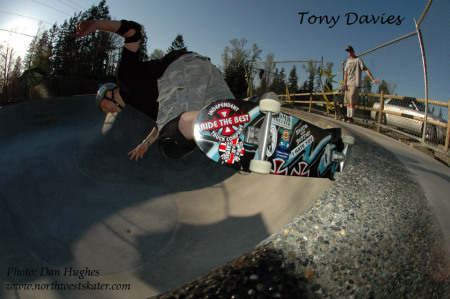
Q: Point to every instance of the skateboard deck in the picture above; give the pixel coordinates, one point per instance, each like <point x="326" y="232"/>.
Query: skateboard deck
<point x="237" y="134"/>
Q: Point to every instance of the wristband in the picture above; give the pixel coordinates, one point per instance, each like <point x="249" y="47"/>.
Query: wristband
<point x="126" y="26"/>
<point x="146" y="143"/>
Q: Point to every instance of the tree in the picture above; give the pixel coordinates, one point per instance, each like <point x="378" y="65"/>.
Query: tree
<point x="279" y="82"/>
<point x="269" y="67"/>
<point x="177" y="44"/>
<point x="384" y="86"/>
<point x="366" y="87"/>
<point x="293" y="80"/>
<point x="6" y="68"/>
<point x="17" y="70"/>
<point x="236" y="65"/>
<point x="255" y="55"/>
<point x="43" y="49"/>
<point x="78" y="65"/>
<point x="156" y="54"/>
<point x="312" y="72"/>
<point x="267" y="74"/>
<point x="33" y="50"/>
<point x="328" y="85"/>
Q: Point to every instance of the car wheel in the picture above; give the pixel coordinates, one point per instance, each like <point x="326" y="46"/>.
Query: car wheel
<point x="431" y="134"/>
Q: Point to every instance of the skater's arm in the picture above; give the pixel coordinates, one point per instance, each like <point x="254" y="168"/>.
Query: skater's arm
<point x="371" y="77"/>
<point x="89" y="26"/>
<point x="141" y="149"/>
<point x="152" y="136"/>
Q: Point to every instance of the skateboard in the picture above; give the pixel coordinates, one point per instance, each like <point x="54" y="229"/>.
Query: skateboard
<point x="258" y="137"/>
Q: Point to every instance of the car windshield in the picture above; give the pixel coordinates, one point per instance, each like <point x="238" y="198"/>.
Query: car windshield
<point x="408" y="103"/>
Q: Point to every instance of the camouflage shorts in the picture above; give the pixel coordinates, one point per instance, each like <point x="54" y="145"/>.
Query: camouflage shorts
<point x="189" y="83"/>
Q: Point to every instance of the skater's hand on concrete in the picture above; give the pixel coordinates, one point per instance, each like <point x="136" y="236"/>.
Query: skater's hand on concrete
<point x="138" y="152"/>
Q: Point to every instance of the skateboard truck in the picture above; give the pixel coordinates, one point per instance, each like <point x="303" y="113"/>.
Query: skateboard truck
<point x="269" y="107"/>
<point x="340" y="157"/>
<point x="337" y="157"/>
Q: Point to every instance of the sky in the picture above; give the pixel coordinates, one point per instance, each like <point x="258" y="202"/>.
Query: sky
<point x="208" y="25"/>
<point x="290" y="29"/>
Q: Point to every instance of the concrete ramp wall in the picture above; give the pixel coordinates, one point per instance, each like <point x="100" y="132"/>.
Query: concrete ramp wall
<point x="71" y="198"/>
<point x="80" y="220"/>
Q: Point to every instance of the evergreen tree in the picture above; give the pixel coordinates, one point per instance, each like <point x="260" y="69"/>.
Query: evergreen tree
<point x="33" y="50"/>
<point x="279" y="82"/>
<point x="293" y="80"/>
<point x="312" y="72"/>
<point x="78" y="65"/>
<point x="177" y="44"/>
<point x="43" y="53"/>
<point x="384" y="86"/>
<point x="65" y="60"/>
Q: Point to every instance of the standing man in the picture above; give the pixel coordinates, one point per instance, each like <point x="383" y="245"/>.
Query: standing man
<point x="352" y="81"/>
<point x="171" y="90"/>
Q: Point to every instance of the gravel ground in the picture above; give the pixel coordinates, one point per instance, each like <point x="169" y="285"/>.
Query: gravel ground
<point x="371" y="235"/>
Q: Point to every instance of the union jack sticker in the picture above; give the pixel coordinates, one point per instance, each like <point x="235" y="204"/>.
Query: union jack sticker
<point x="231" y="151"/>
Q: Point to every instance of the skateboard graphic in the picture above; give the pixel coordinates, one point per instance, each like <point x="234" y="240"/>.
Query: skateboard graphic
<point x="252" y="137"/>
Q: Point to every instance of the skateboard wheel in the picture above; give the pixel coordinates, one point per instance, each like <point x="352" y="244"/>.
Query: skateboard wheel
<point x="348" y="139"/>
<point x="269" y="105"/>
<point x="259" y="166"/>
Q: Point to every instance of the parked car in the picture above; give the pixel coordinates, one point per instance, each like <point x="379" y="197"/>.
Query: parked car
<point x="408" y="109"/>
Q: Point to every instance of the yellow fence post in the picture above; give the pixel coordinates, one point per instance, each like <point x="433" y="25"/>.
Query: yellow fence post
<point x="380" y="113"/>
<point x="447" y="139"/>
<point x="310" y="102"/>
<point x="335" y="108"/>
<point x="288" y="96"/>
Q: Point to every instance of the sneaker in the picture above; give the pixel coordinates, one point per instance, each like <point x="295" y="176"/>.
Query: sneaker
<point x="350" y="120"/>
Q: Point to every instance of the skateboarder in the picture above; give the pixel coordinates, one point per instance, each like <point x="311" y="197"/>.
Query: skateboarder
<point x="170" y="90"/>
